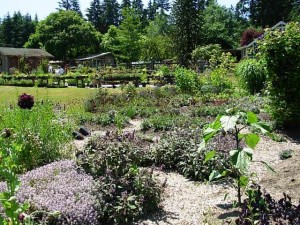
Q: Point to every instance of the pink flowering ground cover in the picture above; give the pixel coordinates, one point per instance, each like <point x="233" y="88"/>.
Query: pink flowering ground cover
<point x="60" y="186"/>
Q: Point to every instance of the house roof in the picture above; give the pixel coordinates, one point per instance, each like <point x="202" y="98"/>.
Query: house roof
<point x="27" y="52"/>
<point x="95" y="56"/>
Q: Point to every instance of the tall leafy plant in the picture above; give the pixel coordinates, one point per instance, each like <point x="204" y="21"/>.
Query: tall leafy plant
<point x="252" y="75"/>
<point x="187" y="80"/>
<point x="280" y="52"/>
<point x="240" y="156"/>
<point x="8" y="165"/>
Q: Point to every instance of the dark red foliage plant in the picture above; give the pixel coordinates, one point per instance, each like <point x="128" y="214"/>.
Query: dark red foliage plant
<point x="25" y="101"/>
<point x="249" y="35"/>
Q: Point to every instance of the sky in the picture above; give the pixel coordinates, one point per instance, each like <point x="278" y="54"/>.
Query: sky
<point x="44" y="7"/>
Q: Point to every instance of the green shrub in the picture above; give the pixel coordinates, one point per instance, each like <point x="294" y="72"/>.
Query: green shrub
<point x="125" y="191"/>
<point x="280" y="52"/>
<point x="252" y="75"/>
<point x="40" y="132"/>
<point x="187" y="80"/>
<point x="178" y="151"/>
<point x="158" y="123"/>
<point x="206" y="52"/>
<point x="216" y="81"/>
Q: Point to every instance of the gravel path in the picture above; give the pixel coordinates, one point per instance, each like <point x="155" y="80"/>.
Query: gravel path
<point x="193" y="203"/>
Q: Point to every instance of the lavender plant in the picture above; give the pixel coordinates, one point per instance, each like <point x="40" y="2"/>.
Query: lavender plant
<point x="59" y="187"/>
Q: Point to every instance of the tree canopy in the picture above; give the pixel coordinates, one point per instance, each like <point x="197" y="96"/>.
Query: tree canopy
<point x="66" y="35"/>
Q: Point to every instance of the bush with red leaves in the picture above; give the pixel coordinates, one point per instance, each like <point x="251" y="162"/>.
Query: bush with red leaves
<point x="25" y="101"/>
<point x="249" y="35"/>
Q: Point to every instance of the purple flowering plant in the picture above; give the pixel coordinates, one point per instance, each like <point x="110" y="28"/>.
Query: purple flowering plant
<point x="25" y="101"/>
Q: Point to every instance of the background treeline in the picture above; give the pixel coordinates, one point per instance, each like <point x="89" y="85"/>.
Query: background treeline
<point x="134" y="31"/>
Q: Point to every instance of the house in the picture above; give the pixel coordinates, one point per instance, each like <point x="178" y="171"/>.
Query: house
<point x="9" y="57"/>
<point x="103" y="59"/>
<point x="251" y="49"/>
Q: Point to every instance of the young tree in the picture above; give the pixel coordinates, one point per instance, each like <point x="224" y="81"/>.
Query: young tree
<point x="156" y="44"/>
<point x="187" y="24"/>
<point x="124" y="41"/>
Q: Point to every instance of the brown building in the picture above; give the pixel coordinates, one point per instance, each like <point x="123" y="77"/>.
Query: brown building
<point x="9" y="57"/>
<point x="103" y="59"/>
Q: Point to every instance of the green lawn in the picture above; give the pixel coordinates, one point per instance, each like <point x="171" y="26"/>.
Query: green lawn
<point x="68" y="96"/>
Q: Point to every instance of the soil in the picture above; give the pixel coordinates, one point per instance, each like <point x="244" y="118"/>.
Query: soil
<point x="194" y="203"/>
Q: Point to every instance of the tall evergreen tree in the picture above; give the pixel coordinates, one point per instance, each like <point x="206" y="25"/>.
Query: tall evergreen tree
<point x="125" y="3"/>
<point x="70" y="5"/>
<point x="151" y="9"/>
<point x="64" y="5"/>
<point x="187" y="28"/>
<point x="103" y="14"/>
<point x="95" y="14"/>
<point x="266" y="13"/>
<point x="112" y="15"/>
<point x="15" y="30"/>
<point x="76" y="7"/>
<point x="137" y="5"/>
<point x="163" y="5"/>
<point x="6" y="31"/>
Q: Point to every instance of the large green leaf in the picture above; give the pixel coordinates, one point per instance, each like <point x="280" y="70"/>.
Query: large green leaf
<point x="201" y="146"/>
<point x="228" y="122"/>
<point x="251" y="118"/>
<point x="214" y="175"/>
<point x="208" y="133"/>
<point x="252" y="140"/>
<point x="209" y="155"/>
<point x="241" y="159"/>
<point x="243" y="181"/>
<point x="263" y="127"/>
<point x="216" y="124"/>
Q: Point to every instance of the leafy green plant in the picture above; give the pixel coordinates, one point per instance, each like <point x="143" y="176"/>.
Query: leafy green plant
<point x="252" y="75"/>
<point x="125" y="191"/>
<point x="187" y="80"/>
<point x="40" y="132"/>
<point x="178" y="151"/>
<point x="240" y="156"/>
<point x="280" y="53"/>
<point x="206" y="52"/>
<point x="129" y="90"/>
<point x="8" y="169"/>
<point x="286" y="154"/>
<point x="216" y="81"/>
